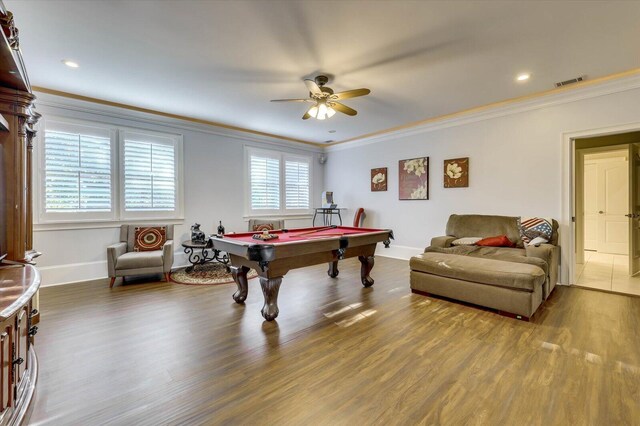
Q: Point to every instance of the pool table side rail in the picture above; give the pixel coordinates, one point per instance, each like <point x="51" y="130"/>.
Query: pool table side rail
<point x="294" y="231"/>
<point x="268" y="252"/>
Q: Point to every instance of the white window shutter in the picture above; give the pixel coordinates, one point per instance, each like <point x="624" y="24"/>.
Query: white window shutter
<point x="264" y="174"/>
<point x="77" y="170"/>
<point x="296" y="184"/>
<point x="149" y="176"/>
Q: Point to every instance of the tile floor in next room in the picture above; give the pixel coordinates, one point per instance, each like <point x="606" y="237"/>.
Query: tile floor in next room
<point x="605" y="271"/>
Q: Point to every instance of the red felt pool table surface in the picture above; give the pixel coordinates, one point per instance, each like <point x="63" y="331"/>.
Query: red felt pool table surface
<point x="300" y="234"/>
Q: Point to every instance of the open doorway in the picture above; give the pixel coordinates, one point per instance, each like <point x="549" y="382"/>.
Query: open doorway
<point x="607" y="233"/>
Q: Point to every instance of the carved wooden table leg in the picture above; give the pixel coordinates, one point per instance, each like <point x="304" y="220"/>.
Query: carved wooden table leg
<point x="365" y="268"/>
<point x="333" y="269"/>
<point x="240" y="277"/>
<point x="270" y="288"/>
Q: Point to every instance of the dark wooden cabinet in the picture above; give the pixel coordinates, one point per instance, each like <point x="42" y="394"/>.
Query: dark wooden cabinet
<point x="18" y="362"/>
<point x="6" y="360"/>
<point x="19" y="281"/>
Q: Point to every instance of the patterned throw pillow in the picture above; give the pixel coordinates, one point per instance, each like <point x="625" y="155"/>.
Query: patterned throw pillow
<point x="149" y="238"/>
<point x="466" y="241"/>
<point x="264" y="227"/>
<point x="534" y="227"/>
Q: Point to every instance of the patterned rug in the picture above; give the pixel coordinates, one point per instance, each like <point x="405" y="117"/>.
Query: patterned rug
<point x="211" y="273"/>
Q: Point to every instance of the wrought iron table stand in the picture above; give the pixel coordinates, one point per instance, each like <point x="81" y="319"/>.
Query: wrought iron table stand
<point x="201" y="253"/>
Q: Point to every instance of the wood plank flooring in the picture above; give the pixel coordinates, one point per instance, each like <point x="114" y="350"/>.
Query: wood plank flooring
<point x="338" y="354"/>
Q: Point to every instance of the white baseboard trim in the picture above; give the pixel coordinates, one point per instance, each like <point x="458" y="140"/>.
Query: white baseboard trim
<point x="398" y="252"/>
<point x="72" y="273"/>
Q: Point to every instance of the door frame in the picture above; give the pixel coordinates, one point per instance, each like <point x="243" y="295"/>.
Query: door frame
<point x="579" y="192"/>
<point x="568" y="226"/>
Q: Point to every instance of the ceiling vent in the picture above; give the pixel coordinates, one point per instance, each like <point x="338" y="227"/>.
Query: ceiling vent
<point x="570" y="81"/>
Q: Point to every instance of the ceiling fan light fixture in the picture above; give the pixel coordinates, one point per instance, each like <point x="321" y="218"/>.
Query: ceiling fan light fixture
<point x="322" y="111"/>
<point x="324" y="100"/>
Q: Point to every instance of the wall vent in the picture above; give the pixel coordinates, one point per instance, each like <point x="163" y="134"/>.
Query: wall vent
<point x="570" y="81"/>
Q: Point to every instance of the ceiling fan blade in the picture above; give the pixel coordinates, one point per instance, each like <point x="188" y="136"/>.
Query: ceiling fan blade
<point x="306" y="116"/>
<point x="351" y="94"/>
<point x="343" y="108"/>
<point x="291" y="100"/>
<point x="313" y="87"/>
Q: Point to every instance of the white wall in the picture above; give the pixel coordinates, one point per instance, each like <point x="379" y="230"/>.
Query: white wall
<point x="518" y="164"/>
<point x="213" y="188"/>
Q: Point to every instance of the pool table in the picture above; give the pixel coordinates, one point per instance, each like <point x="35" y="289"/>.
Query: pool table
<point x="296" y="248"/>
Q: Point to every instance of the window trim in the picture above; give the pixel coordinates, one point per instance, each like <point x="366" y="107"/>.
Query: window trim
<point x="44" y="217"/>
<point x="44" y="220"/>
<point x="298" y="158"/>
<point x="177" y="141"/>
<point x="282" y="157"/>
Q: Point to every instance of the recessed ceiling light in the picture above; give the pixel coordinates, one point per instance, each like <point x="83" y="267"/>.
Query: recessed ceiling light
<point x="523" y="77"/>
<point x="70" y="64"/>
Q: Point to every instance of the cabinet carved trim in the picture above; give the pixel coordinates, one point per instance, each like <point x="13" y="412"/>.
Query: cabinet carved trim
<point x="18" y="283"/>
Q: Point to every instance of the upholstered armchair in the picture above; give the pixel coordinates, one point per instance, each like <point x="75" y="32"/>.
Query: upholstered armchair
<point x="136" y="257"/>
<point x="262" y="224"/>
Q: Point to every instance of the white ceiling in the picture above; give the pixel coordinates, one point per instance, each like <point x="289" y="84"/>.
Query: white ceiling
<point x="224" y="60"/>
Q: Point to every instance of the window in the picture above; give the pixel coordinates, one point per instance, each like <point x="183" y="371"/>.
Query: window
<point x="296" y="177"/>
<point x="81" y="182"/>
<point x="279" y="183"/>
<point x="149" y="174"/>
<point x="78" y="172"/>
<point x="265" y="182"/>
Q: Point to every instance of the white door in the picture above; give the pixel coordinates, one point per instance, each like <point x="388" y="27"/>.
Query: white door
<point x="634" y="209"/>
<point x="613" y="205"/>
<point x="591" y="209"/>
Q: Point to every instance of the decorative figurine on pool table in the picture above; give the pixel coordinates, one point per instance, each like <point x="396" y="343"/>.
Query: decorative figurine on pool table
<point x="264" y="236"/>
<point x="220" y="229"/>
<point x="197" y="236"/>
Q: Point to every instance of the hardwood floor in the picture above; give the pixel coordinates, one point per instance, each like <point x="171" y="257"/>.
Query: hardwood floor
<point x="158" y="353"/>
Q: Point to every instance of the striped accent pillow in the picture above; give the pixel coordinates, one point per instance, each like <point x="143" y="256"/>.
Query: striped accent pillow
<point x="535" y="227"/>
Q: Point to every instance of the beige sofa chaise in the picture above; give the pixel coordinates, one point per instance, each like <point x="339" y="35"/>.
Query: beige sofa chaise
<point x="511" y="280"/>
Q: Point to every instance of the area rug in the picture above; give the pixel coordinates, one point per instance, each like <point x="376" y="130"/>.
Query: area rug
<point x="212" y="273"/>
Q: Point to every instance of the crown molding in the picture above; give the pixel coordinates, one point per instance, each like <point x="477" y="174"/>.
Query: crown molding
<point x="603" y="86"/>
<point x="79" y="103"/>
<point x="614" y="83"/>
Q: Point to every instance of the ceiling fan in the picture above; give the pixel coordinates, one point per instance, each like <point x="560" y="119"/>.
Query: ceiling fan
<point x="325" y="102"/>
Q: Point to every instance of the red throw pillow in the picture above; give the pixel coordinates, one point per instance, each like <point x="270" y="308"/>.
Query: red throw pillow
<point x="499" y="241"/>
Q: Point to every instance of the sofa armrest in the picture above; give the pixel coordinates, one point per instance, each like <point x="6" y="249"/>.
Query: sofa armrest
<point x="114" y="251"/>
<point x="551" y="255"/>
<point x="543" y="251"/>
<point x="167" y="256"/>
<point x="442" y="242"/>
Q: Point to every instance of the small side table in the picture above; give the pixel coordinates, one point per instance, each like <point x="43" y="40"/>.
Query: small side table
<point x="327" y="215"/>
<point x="201" y="253"/>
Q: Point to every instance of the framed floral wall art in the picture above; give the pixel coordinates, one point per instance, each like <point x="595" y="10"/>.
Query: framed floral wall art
<point x="456" y="173"/>
<point x="379" y="179"/>
<point x="413" y="179"/>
